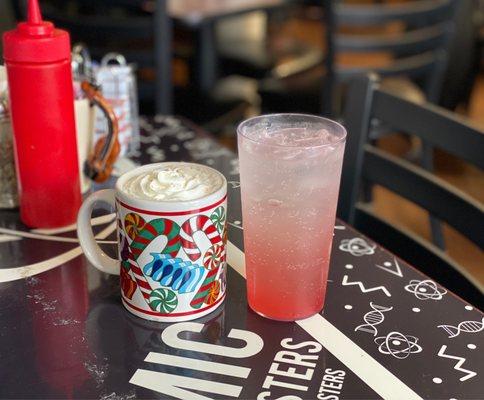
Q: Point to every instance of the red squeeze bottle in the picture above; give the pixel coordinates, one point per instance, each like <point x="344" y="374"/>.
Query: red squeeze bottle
<point x="38" y="61"/>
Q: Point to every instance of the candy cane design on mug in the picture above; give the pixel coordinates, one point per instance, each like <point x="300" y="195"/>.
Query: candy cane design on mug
<point x="173" y="273"/>
<point x="195" y="224"/>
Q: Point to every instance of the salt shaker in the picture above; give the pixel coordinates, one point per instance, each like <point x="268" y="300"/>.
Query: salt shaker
<point x="118" y="84"/>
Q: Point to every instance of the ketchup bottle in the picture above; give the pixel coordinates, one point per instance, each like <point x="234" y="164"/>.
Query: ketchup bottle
<point x="38" y="61"/>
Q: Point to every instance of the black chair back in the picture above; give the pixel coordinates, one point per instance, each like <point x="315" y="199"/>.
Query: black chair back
<point x="417" y="48"/>
<point x="367" y="103"/>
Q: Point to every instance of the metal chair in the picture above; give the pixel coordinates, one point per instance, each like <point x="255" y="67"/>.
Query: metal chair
<point x="367" y="102"/>
<point x="417" y="52"/>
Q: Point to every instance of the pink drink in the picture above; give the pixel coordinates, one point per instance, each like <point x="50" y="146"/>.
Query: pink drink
<point x="290" y="168"/>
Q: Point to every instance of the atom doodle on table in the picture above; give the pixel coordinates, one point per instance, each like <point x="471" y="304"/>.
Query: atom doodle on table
<point x="465" y="327"/>
<point x="373" y="318"/>
<point x="425" y="289"/>
<point x="357" y="247"/>
<point x="398" y="345"/>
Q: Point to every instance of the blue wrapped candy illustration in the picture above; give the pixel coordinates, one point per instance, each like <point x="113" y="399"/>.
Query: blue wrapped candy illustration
<point x="179" y="275"/>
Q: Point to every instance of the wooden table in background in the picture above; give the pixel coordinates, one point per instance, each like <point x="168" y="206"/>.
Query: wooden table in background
<point x="201" y="16"/>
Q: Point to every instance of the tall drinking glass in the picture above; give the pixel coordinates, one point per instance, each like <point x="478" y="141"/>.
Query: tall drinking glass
<point x="290" y="169"/>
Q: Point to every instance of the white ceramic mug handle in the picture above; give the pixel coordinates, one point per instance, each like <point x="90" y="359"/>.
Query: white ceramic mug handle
<point x="91" y="249"/>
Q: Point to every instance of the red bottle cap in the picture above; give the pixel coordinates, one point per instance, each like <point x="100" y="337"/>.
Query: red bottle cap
<point x="36" y="41"/>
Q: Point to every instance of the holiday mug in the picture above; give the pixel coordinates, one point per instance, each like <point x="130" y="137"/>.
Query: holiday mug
<point x="172" y="254"/>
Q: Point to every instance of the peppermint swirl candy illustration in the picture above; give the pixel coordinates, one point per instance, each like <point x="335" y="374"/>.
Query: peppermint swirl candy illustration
<point x="133" y="224"/>
<point x="213" y="293"/>
<point x="163" y="300"/>
<point x="204" y="290"/>
<point x="214" y="256"/>
<point x="218" y="218"/>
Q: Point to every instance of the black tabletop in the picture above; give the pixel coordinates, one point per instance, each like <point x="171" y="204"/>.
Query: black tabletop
<point x="386" y="331"/>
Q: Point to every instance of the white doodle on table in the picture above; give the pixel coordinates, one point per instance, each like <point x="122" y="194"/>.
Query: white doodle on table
<point x="373" y="318"/>
<point x="7" y="235"/>
<point x="471" y="346"/>
<point x="234" y="184"/>
<point x="416" y="309"/>
<point x="345" y="282"/>
<point x="469" y="308"/>
<point x="458" y="365"/>
<point x="398" y="345"/>
<point x="357" y="247"/>
<point x="425" y="290"/>
<point x="349" y="266"/>
<point x="8" y="238"/>
<point x="238" y="226"/>
<point x="234" y="164"/>
<point x="202" y="148"/>
<point x="437" y="380"/>
<point x="25" y="271"/>
<point x="152" y="139"/>
<point x="185" y="135"/>
<point x="392" y="268"/>
<point x="156" y="154"/>
<point x="465" y="326"/>
<point x="348" y="307"/>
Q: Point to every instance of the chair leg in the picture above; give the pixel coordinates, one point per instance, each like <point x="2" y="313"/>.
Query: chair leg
<point x="435" y="223"/>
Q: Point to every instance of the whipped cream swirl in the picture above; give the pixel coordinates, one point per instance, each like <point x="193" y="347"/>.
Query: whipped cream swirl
<point x="176" y="182"/>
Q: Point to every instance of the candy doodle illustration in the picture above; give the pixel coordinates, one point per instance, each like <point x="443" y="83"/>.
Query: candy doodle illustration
<point x="465" y="326"/>
<point x="398" y="345"/>
<point x="204" y="291"/>
<point x="163" y="300"/>
<point x="392" y="268"/>
<point x="196" y="224"/>
<point x="153" y="229"/>
<point x="176" y="275"/>
<point x="346" y="282"/>
<point x="458" y="365"/>
<point x="357" y="247"/>
<point x="218" y="218"/>
<point x="213" y="293"/>
<point x="129" y="264"/>
<point x="181" y="276"/>
<point x="425" y="290"/>
<point x="214" y="256"/>
<point x="128" y="285"/>
<point x="373" y="318"/>
<point x="140" y="279"/>
<point x="133" y="224"/>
